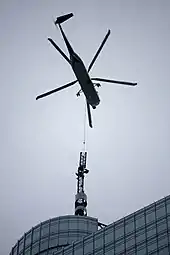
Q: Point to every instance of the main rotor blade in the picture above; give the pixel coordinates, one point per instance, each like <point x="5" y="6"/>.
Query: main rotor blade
<point x="58" y="48"/>
<point x="97" y="53"/>
<point x="117" y="82"/>
<point x="56" y="90"/>
<point x="89" y="114"/>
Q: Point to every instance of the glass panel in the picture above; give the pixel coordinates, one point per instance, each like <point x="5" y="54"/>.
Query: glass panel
<point x="54" y="227"/>
<point x="21" y="245"/>
<point x="63" y="239"/>
<point x="53" y="241"/>
<point x="72" y="237"/>
<point x="163" y="241"/>
<point x="82" y="225"/>
<point x="130" y="242"/>
<point x="44" y="244"/>
<point x="14" y="250"/>
<point x="119" y="232"/>
<point x="36" y="234"/>
<point x="141" y="249"/>
<point x="78" y="249"/>
<point x="141" y="236"/>
<point x="162" y="226"/>
<point x="92" y="227"/>
<point x="99" y="252"/>
<point x="140" y="222"/>
<point x="150" y="216"/>
<point x="129" y="227"/>
<point x="119" y="247"/>
<point x="168" y="206"/>
<point x="98" y="241"/>
<point x="109" y="237"/>
<point x="28" y="239"/>
<point x="109" y="250"/>
<point x="45" y="230"/>
<point x="164" y="251"/>
<point x="151" y="231"/>
<point x="35" y="248"/>
<point x="63" y="225"/>
<point x="88" y="245"/>
<point x="160" y="212"/>
<point x="152" y="246"/>
<point x="73" y="224"/>
<point x="27" y="251"/>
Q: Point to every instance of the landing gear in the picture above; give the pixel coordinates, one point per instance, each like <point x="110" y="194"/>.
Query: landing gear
<point x="97" y="85"/>
<point x="78" y="93"/>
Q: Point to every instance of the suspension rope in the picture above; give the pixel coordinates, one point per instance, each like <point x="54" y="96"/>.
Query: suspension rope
<point x="84" y="131"/>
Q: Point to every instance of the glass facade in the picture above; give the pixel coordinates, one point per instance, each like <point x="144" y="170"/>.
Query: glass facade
<point x="146" y="231"/>
<point x="52" y="235"/>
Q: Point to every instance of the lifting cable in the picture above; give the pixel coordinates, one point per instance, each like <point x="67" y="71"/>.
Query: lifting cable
<point x="84" y="129"/>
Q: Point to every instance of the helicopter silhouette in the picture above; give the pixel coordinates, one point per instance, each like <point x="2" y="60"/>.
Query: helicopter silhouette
<point x="82" y="74"/>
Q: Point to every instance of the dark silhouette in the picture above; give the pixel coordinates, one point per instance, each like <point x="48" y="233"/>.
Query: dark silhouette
<point x="81" y="73"/>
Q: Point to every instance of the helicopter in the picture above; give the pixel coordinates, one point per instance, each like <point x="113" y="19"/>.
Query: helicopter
<point x="82" y="74"/>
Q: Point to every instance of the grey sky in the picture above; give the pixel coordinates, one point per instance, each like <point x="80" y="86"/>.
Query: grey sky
<point x="129" y="147"/>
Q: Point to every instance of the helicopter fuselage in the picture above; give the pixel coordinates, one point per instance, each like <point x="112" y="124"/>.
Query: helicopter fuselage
<point x="85" y="82"/>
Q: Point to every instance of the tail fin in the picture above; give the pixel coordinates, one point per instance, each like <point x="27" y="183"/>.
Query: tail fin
<point x="63" y="18"/>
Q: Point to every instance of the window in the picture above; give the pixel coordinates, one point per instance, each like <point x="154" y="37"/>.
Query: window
<point x="129" y="227"/>
<point x="63" y="239"/>
<point x="21" y="245"/>
<point x="152" y="245"/>
<point x="27" y="251"/>
<point x="28" y="239"/>
<point x="109" y="250"/>
<point x="82" y="225"/>
<point x="119" y="232"/>
<point x="141" y="236"/>
<point x="53" y="241"/>
<point x="67" y="251"/>
<point x="35" y="248"/>
<point x="98" y="240"/>
<point x="130" y="242"/>
<point x="164" y="251"/>
<point x="92" y="227"/>
<point x="44" y="244"/>
<point x="150" y="216"/>
<point x="54" y="227"/>
<point x="119" y="247"/>
<point x="36" y="234"/>
<point x="73" y="224"/>
<point x="45" y="230"/>
<point x="63" y="225"/>
<point x="99" y="252"/>
<point x="168" y="206"/>
<point x="141" y="249"/>
<point x="160" y="211"/>
<point x="161" y="226"/>
<point x="169" y="222"/>
<point x="88" y="245"/>
<point x="78" y="249"/>
<point x="14" y="252"/>
<point x="162" y="241"/>
<point x="151" y="230"/>
<point x="140" y="220"/>
<point x="109" y="237"/>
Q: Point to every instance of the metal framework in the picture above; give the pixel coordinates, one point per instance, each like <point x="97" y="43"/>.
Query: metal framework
<point x="81" y="197"/>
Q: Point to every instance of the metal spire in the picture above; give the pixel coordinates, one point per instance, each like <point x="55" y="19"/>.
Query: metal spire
<point x="81" y="197"/>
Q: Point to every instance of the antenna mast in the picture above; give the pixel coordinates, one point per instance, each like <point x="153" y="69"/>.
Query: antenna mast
<point x="81" y="197"/>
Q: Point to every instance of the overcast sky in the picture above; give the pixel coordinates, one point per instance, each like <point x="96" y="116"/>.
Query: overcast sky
<point x="129" y="146"/>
